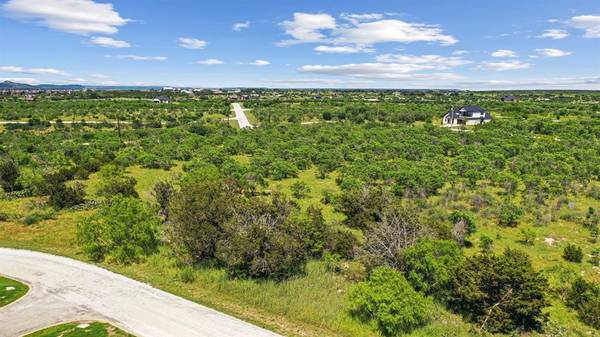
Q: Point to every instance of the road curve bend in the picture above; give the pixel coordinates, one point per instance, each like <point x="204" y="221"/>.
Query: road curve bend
<point x="65" y="290"/>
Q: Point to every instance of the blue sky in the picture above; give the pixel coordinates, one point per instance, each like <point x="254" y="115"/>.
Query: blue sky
<point x="283" y="43"/>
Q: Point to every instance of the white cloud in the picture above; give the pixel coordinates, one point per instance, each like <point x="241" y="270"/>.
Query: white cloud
<point x="26" y="80"/>
<point x="460" y="52"/>
<point x="317" y="82"/>
<point x="240" y="26"/>
<point x="504" y="53"/>
<point x="307" y="27"/>
<point x="358" y="18"/>
<point x="589" y="23"/>
<point x="559" y="83"/>
<point x="382" y="71"/>
<point x="211" y="62"/>
<point x="76" y="80"/>
<point x="108" y="42"/>
<point x="99" y="76"/>
<point x="383" y="31"/>
<point x="71" y="16"/>
<point x="33" y="71"/>
<point x="191" y="43"/>
<point x="554" y="34"/>
<point x="550" y="52"/>
<point x="259" y="63"/>
<point x="436" y="62"/>
<point x="504" y="65"/>
<point x="138" y="58"/>
<point x="344" y="49"/>
<point x="360" y="30"/>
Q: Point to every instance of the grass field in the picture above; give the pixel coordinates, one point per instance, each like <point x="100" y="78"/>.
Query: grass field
<point x="81" y="329"/>
<point x="313" y="304"/>
<point x="11" y="290"/>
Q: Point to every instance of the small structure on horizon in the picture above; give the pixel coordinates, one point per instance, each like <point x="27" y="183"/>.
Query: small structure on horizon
<point x="466" y="115"/>
<point x="509" y="98"/>
<point x="162" y="99"/>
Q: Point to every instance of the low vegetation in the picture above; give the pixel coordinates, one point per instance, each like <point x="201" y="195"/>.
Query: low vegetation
<point x="81" y="329"/>
<point x="378" y="223"/>
<point x="11" y="290"/>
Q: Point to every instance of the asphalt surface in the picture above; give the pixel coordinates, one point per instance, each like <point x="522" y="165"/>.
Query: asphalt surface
<point x="241" y="116"/>
<point x="66" y="290"/>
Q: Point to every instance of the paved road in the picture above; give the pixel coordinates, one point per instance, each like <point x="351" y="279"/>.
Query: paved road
<point x="64" y="290"/>
<point x="241" y="116"/>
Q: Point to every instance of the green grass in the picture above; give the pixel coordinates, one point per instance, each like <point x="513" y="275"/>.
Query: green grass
<point x="317" y="188"/>
<point x="146" y="179"/>
<point x="313" y="304"/>
<point x="81" y="329"/>
<point x="11" y="290"/>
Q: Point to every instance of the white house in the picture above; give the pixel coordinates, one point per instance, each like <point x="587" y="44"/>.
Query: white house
<point x="466" y="115"/>
<point x="162" y="99"/>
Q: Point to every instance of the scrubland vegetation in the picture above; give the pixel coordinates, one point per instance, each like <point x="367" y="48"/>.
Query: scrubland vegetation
<point x="378" y="223"/>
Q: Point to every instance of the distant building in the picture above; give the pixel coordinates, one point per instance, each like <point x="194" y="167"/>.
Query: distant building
<point x="162" y="99"/>
<point x="29" y="98"/>
<point x="466" y="115"/>
<point x="509" y="98"/>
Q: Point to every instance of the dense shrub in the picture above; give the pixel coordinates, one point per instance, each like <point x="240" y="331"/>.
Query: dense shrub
<point x="197" y="215"/>
<point x="124" y="230"/>
<point x="499" y="293"/>
<point x="63" y="196"/>
<point x="262" y="241"/>
<point x="342" y="243"/>
<point x="585" y="298"/>
<point x="387" y="301"/>
<point x="9" y="173"/>
<point x="573" y="253"/>
<point x="509" y="214"/>
<point x="427" y="265"/>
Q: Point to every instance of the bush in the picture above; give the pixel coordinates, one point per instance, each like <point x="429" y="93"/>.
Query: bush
<point x="262" y="241"/>
<point x="114" y="182"/>
<point x="573" y="253"/>
<point x="342" y="243"/>
<point x="509" y="214"/>
<point x="498" y="293"/>
<point x="299" y="189"/>
<point x="585" y="298"/>
<point x="124" y="230"/>
<point x="388" y="301"/>
<point x="197" y="214"/>
<point x="37" y="216"/>
<point x="63" y="196"/>
<point x="9" y="173"/>
<point x="427" y="264"/>
<point x="463" y="225"/>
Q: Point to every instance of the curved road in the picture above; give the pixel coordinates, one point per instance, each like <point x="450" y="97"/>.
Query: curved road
<point x="64" y="290"/>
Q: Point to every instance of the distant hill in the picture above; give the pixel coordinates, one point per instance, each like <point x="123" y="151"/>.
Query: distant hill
<point x="8" y="85"/>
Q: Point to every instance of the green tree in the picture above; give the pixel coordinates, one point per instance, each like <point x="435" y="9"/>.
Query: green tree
<point x="261" y="240"/>
<point x="584" y="297"/>
<point x="198" y="213"/>
<point x="427" y="265"/>
<point x="499" y="293"/>
<point x="124" y="230"/>
<point x="388" y="301"/>
<point x="509" y="214"/>
<point x="9" y="173"/>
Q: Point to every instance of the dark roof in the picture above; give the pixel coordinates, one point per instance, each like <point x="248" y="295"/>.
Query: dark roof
<point x="163" y="98"/>
<point x="509" y="98"/>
